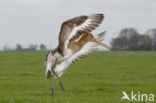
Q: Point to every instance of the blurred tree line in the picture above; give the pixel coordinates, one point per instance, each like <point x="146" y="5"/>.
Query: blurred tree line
<point x="32" y="47"/>
<point x="131" y="39"/>
<point x="127" y="39"/>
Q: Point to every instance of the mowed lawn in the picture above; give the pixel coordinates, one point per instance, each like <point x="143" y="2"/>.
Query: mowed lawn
<point x="99" y="78"/>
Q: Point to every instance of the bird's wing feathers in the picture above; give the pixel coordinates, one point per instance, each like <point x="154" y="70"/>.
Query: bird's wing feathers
<point x="73" y="28"/>
<point x="87" y="49"/>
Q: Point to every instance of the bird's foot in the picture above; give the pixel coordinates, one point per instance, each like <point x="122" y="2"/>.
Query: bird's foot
<point x="52" y="92"/>
<point x="62" y="87"/>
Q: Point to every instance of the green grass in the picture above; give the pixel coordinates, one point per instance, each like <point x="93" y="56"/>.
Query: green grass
<point x="99" y="78"/>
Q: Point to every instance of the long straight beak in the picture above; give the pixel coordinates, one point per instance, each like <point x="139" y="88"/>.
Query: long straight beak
<point x="100" y="43"/>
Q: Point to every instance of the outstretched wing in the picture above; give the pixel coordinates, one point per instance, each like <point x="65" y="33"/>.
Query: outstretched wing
<point x="87" y="49"/>
<point x="73" y="28"/>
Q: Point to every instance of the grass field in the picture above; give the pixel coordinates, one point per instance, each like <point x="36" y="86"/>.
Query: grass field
<point x="99" y="78"/>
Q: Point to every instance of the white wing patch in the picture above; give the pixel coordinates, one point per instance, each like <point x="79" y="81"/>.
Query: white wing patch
<point x="81" y="27"/>
<point x="76" y="29"/>
<point x="87" y="49"/>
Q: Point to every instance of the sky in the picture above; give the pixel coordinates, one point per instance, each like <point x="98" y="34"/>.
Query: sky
<point x="39" y="21"/>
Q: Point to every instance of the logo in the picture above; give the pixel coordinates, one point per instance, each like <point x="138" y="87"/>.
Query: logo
<point x="137" y="96"/>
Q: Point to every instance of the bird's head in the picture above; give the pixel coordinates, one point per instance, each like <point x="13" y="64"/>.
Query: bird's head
<point x="50" y="63"/>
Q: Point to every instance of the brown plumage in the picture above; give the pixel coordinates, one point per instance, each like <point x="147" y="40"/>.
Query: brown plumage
<point x="77" y="45"/>
<point x="75" y="42"/>
<point x="68" y="26"/>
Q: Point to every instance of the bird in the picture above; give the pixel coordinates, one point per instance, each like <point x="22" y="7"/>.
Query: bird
<point x="75" y="41"/>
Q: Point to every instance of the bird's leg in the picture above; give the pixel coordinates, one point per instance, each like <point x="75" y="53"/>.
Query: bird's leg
<point x="60" y="82"/>
<point x="52" y="86"/>
<point x="91" y="37"/>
